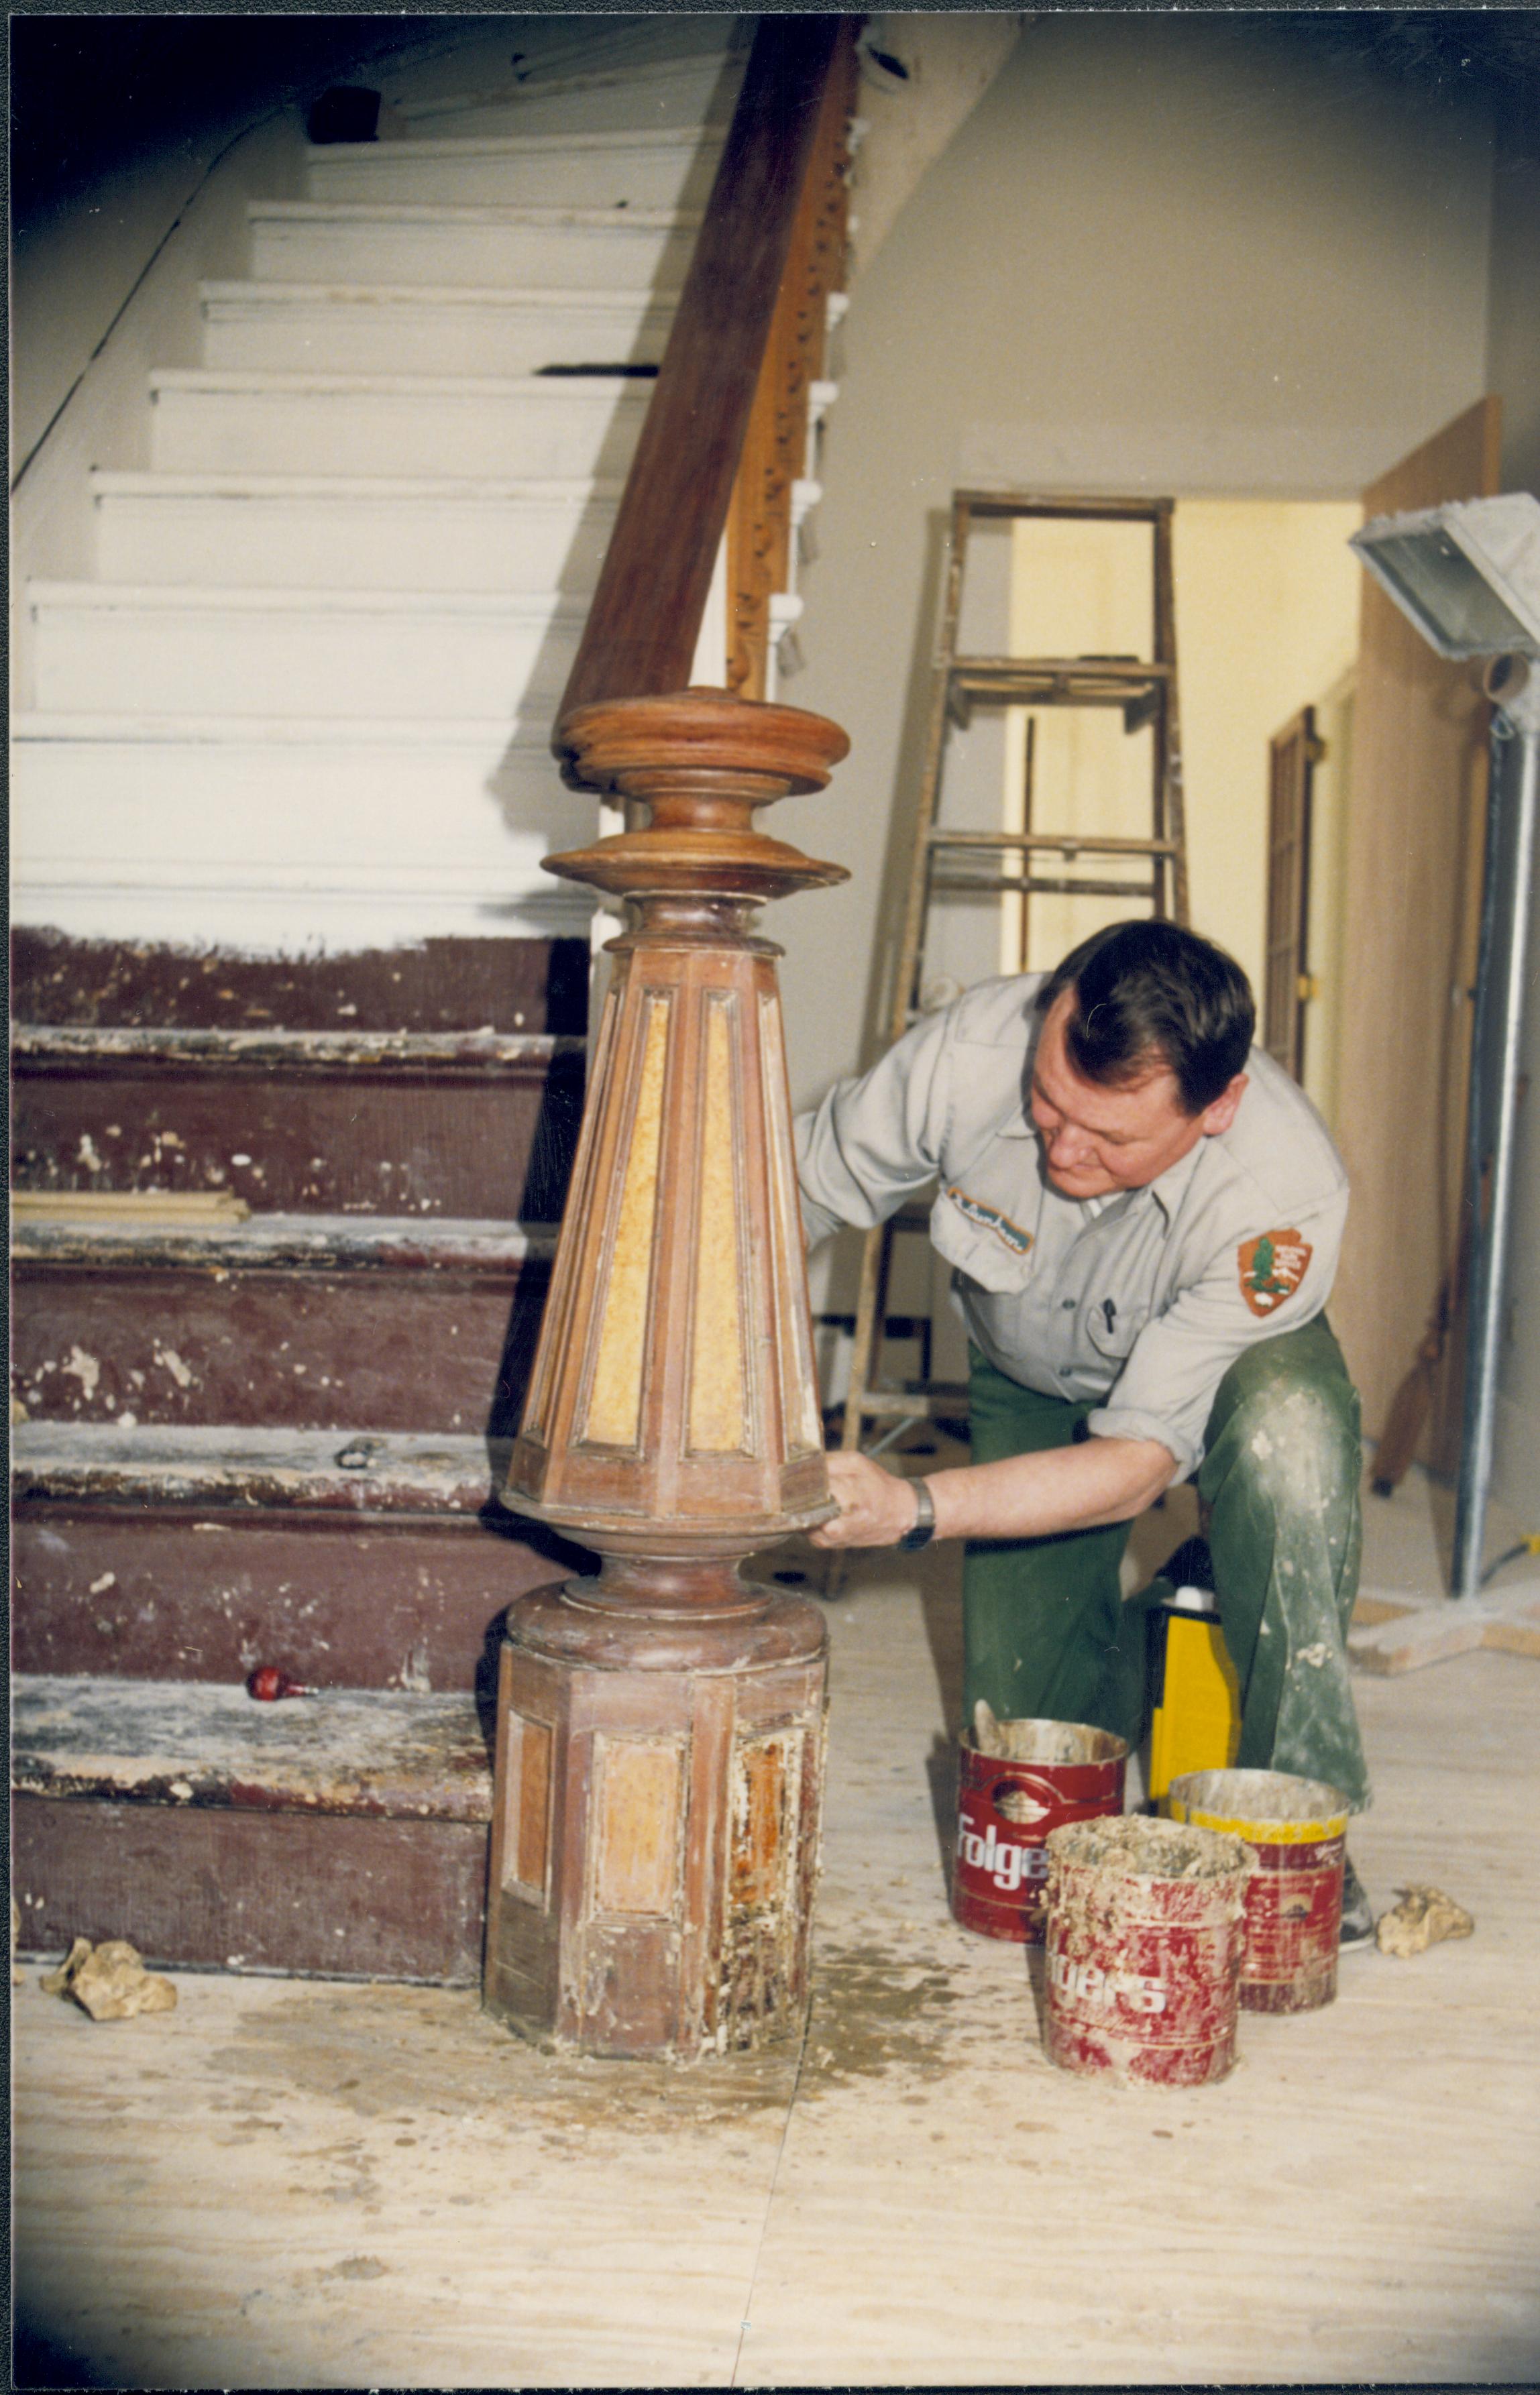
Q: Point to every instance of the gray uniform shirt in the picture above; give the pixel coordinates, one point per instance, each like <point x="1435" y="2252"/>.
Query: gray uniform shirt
<point x="1143" y="1299"/>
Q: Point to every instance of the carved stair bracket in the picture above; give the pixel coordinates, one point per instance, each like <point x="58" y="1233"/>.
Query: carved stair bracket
<point x="659" y="1744"/>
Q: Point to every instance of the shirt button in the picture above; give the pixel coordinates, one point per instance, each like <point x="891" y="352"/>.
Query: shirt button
<point x="1070" y="1303"/>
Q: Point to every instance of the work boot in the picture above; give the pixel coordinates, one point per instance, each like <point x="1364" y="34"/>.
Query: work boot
<point x="1191" y="1567"/>
<point x="1357" y="1914"/>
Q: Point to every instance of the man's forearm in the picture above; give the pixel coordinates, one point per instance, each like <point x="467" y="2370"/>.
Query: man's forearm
<point x="1063" y="1488"/>
<point x="1022" y="1497"/>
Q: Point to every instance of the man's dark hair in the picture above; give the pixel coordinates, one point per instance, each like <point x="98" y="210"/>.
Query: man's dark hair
<point x="1148" y="994"/>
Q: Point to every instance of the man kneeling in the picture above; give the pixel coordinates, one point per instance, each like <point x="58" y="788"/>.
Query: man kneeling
<point x="1143" y="1214"/>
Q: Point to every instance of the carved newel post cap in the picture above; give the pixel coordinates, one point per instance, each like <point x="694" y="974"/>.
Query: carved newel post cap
<point x="701" y="761"/>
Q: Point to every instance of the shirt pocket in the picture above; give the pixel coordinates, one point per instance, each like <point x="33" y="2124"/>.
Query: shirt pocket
<point x="981" y="1242"/>
<point x="1111" y="1335"/>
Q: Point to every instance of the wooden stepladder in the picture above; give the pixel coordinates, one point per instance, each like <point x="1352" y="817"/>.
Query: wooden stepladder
<point x="943" y="860"/>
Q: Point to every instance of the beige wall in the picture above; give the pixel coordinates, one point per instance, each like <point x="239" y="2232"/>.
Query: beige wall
<point x="1193" y="254"/>
<point x="1266" y="622"/>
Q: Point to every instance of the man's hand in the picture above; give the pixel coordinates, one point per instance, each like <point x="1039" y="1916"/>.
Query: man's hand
<point x="876" y="1507"/>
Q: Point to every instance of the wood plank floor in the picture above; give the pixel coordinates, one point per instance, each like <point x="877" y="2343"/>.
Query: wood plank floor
<point x="310" y="2185"/>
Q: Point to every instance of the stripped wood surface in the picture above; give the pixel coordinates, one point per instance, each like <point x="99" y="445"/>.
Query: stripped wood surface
<point x="435" y="985"/>
<point x="191" y="1742"/>
<point x="371" y="1600"/>
<point x="210" y="1465"/>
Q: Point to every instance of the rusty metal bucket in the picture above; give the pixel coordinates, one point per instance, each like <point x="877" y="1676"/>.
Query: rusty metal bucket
<point x="1297" y="1830"/>
<point x="1146" y="1924"/>
<point x="1006" y="1806"/>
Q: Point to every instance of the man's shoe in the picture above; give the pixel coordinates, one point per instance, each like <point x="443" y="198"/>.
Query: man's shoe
<point x="1191" y="1567"/>
<point x="1357" y="1914"/>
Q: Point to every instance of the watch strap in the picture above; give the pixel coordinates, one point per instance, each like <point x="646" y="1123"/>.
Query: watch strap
<point x="925" y="1519"/>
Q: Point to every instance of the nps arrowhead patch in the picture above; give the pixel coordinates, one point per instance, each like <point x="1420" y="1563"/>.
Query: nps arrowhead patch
<point x="1271" y="1268"/>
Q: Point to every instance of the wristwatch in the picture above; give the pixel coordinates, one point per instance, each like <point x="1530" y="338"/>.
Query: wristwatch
<point x="925" y="1519"/>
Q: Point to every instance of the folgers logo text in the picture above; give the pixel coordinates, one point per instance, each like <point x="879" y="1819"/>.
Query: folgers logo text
<point x="1089" y="1983"/>
<point x="1008" y="1866"/>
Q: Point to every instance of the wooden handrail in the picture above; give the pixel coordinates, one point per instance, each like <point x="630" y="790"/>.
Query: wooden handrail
<point x="640" y="633"/>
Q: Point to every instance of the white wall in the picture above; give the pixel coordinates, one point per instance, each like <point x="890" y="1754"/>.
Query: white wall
<point x="87" y="339"/>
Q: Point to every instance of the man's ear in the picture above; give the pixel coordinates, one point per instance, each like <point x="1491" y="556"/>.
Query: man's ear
<point x="1220" y="1116"/>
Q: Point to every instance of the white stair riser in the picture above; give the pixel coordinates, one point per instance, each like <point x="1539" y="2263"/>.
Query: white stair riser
<point x="690" y="96"/>
<point x="677" y="175"/>
<point x="326" y="661"/>
<point x="354" y="542"/>
<point x="517" y="256"/>
<point x="578" y="430"/>
<point x="214" y="809"/>
<point x="281" y="335"/>
<point x="285" y="848"/>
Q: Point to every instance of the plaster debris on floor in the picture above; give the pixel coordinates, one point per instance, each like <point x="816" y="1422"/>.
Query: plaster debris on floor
<point x="287" y="2183"/>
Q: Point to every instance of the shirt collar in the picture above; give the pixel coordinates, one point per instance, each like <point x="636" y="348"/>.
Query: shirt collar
<point x="1171" y="1188"/>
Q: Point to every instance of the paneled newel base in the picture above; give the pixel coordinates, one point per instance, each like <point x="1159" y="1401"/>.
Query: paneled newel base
<point x="655" y="1834"/>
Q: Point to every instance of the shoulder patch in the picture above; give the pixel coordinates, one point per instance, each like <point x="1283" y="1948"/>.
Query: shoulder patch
<point x="990" y="1218"/>
<point x="1271" y="1268"/>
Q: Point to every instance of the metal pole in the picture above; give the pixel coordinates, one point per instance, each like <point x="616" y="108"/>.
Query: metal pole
<point x="1498" y="1009"/>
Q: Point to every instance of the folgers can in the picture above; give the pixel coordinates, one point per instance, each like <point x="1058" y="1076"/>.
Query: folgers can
<point x="1056" y="1772"/>
<point x="1145" y="1931"/>
<point x="1297" y="1830"/>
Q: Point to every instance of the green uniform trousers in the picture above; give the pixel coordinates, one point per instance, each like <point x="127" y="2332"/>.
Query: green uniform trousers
<point x="1046" y="1632"/>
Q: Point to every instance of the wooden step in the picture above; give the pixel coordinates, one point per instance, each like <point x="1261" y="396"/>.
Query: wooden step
<point x="492" y="985"/>
<point x="304" y="1320"/>
<point x="239" y="420"/>
<point x="211" y="1467"/>
<point x="461" y="1124"/>
<point x="121" y="1585"/>
<point x="671" y="91"/>
<point x="121" y="647"/>
<point x="344" y="1834"/>
<point x="362" y="1559"/>
<point x="376" y="328"/>
<point x="590" y="250"/>
<point x="373" y="532"/>
<point x="672" y="167"/>
<point x="244" y="821"/>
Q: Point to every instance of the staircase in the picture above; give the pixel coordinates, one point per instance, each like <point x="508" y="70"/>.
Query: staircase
<point x="310" y="690"/>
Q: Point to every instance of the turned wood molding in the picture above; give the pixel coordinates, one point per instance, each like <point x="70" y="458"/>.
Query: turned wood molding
<point x="768" y="251"/>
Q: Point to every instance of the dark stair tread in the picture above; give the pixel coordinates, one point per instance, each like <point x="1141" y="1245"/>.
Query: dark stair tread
<point x="215" y="1465"/>
<point x="280" y="1242"/>
<point x="58" y="1047"/>
<point x="375" y="1752"/>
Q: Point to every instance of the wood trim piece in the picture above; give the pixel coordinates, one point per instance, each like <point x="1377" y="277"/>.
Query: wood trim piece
<point x="1411" y="900"/>
<point x="774" y="450"/>
<point x="640" y="633"/>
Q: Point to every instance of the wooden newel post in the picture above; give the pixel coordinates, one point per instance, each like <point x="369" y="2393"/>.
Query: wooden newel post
<point x="660" y="1729"/>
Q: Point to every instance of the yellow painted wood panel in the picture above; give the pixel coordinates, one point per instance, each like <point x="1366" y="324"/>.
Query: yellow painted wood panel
<point x="613" y="1416"/>
<point x="801" y="1425"/>
<point x="718" y="1411"/>
<point x="636" y="1824"/>
<point x="1414" y="851"/>
<point x="529" y="1843"/>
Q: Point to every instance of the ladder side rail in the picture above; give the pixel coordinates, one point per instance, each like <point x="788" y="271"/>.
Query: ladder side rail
<point x="911" y="937"/>
<point x="1170" y="804"/>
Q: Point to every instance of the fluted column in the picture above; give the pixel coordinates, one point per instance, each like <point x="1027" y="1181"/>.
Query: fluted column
<point x="660" y="1729"/>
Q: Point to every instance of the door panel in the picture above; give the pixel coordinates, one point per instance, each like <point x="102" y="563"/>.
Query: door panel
<point x="1414" y="861"/>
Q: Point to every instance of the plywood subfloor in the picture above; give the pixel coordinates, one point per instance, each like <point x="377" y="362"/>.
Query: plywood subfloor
<point x="310" y="2185"/>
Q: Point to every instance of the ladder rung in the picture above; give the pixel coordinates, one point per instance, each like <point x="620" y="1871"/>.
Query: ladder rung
<point x="1068" y="843"/>
<point x="1090" y="510"/>
<point x="1035" y="886"/>
<point x="1135" y="671"/>
<point x="938" y="1397"/>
